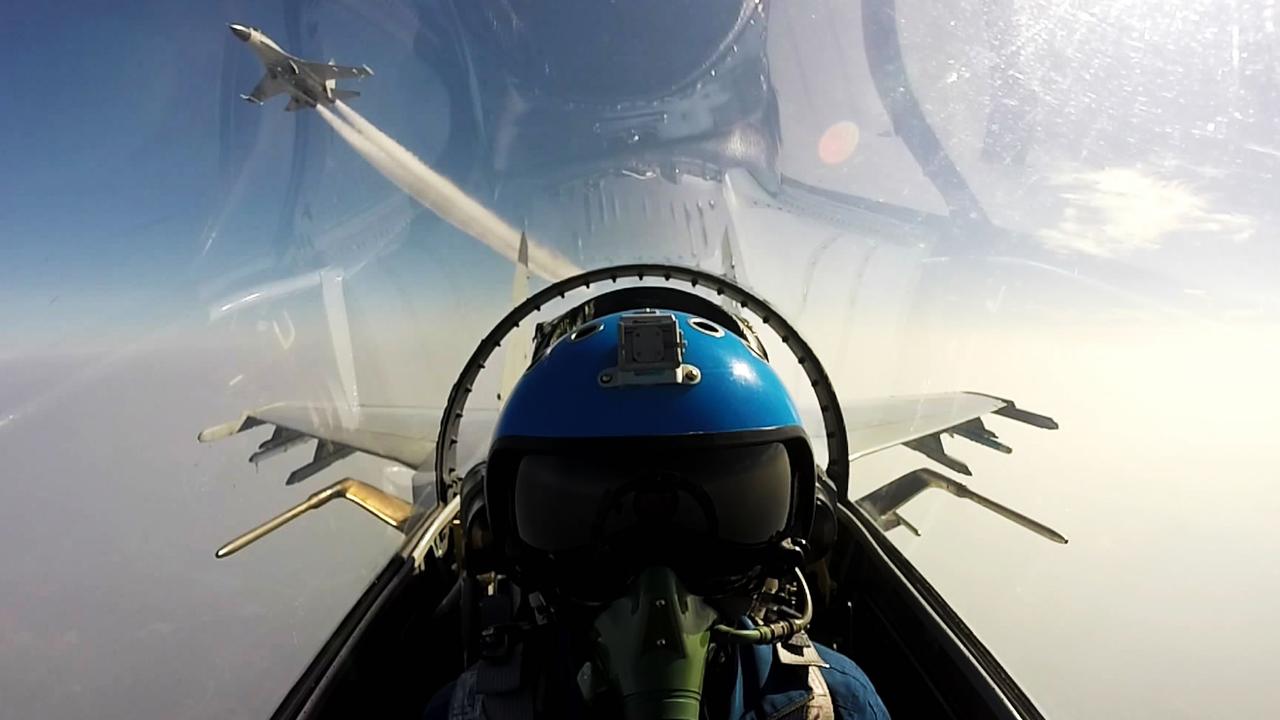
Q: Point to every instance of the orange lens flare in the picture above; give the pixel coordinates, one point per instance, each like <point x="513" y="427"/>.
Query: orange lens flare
<point x="838" y="143"/>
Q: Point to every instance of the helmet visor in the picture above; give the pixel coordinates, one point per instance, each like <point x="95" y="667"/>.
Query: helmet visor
<point x="740" y="496"/>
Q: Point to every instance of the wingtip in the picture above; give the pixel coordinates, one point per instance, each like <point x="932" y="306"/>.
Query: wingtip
<point x="218" y="432"/>
<point x="227" y="429"/>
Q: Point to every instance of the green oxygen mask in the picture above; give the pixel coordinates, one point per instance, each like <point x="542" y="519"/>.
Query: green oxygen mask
<point x="652" y="647"/>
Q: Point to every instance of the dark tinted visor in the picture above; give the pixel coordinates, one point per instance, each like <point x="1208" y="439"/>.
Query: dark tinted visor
<point x="737" y="496"/>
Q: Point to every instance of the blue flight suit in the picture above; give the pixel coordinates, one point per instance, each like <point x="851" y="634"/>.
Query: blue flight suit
<point x="762" y="689"/>
<point x="766" y="689"/>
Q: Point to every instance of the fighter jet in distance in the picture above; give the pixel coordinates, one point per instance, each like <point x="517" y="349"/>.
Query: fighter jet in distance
<point x="308" y="83"/>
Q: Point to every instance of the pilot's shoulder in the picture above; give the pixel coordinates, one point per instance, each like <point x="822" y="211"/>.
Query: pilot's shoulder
<point x="438" y="707"/>
<point x="851" y="691"/>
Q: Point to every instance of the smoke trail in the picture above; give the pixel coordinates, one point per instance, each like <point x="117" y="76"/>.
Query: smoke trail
<point x="440" y="195"/>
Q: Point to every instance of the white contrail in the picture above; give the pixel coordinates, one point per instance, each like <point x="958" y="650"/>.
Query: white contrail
<point x="440" y="195"/>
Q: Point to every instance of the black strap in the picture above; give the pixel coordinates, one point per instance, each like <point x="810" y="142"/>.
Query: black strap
<point x="501" y="686"/>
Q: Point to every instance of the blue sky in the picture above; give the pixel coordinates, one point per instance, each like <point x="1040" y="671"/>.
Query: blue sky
<point x="122" y="143"/>
<point x="107" y="171"/>
<point x="125" y="145"/>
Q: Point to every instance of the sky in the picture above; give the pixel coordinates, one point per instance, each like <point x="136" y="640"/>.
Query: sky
<point x="138" y="193"/>
<point x="148" y="217"/>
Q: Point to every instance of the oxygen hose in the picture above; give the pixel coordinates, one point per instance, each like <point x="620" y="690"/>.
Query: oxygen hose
<point x="774" y="631"/>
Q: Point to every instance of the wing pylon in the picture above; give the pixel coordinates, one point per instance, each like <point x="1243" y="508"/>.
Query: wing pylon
<point x="919" y="423"/>
<point x="882" y="504"/>
<point x="401" y="434"/>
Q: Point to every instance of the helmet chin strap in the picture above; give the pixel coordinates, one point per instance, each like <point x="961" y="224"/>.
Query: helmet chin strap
<point x="652" y="646"/>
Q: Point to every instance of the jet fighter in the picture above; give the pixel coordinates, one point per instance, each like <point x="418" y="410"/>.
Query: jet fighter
<point x="308" y="83"/>
<point x="456" y="564"/>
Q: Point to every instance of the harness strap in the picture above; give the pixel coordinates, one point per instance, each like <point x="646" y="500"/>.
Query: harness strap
<point x="493" y="690"/>
<point x="799" y="652"/>
<point x="820" y="706"/>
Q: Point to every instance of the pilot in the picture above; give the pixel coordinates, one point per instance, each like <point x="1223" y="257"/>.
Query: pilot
<point x="649" y="492"/>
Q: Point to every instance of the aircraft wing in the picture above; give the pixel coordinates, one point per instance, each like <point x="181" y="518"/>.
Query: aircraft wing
<point x="266" y="88"/>
<point x="329" y="71"/>
<point x="402" y="434"/>
<point x="918" y="422"/>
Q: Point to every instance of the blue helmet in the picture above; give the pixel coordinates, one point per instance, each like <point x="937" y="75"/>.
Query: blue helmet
<point x="683" y="375"/>
<point x="649" y="437"/>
